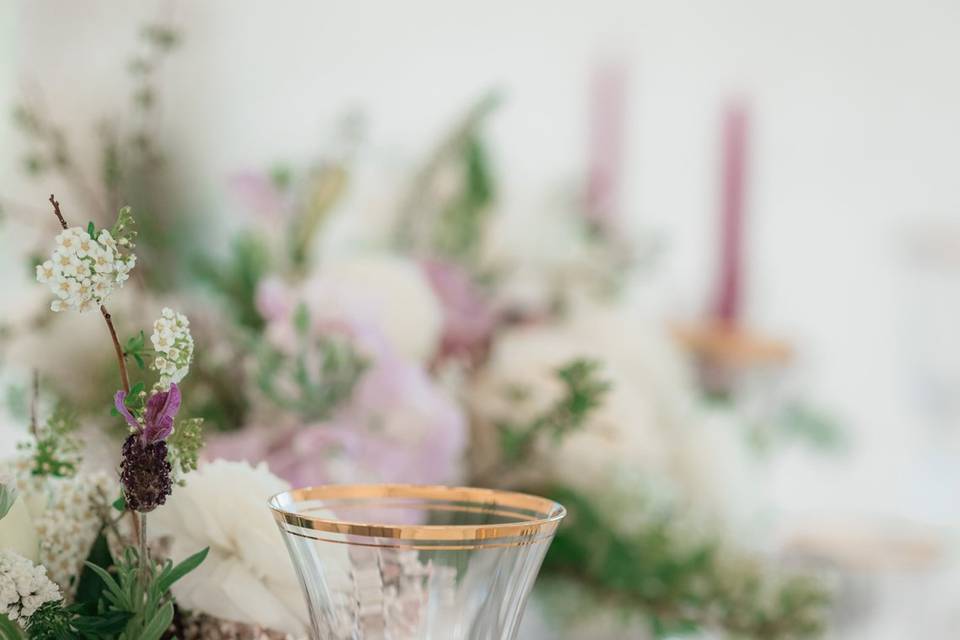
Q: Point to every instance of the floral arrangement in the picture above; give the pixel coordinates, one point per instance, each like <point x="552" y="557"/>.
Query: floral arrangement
<point x="424" y="336"/>
<point x="53" y="585"/>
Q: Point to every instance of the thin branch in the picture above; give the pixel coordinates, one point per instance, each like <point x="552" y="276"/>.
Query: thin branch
<point x="56" y="211"/>
<point x="116" y="347"/>
<point x="138" y="523"/>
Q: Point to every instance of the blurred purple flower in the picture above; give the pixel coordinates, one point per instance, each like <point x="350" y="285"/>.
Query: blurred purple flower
<point x="398" y="427"/>
<point x="334" y="309"/>
<point x="274" y="300"/>
<point x="158" y="417"/>
<point x="468" y="320"/>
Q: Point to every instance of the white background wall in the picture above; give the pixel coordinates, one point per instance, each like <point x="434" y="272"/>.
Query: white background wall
<point x="856" y="113"/>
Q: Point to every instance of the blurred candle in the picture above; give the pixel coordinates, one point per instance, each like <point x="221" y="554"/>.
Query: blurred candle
<point x="729" y="293"/>
<point x="608" y="95"/>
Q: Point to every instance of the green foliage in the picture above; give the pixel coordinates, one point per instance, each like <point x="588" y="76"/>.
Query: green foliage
<point x="324" y="188"/>
<point x="124" y="230"/>
<point x="54" y="621"/>
<point x="145" y="603"/>
<point x="682" y="582"/>
<point x="134" y="348"/>
<point x="237" y="278"/>
<point x="8" y="496"/>
<point x="55" y="451"/>
<point x="89" y="586"/>
<point x="451" y="224"/>
<point x="584" y="391"/>
<point x="459" y="230"/>
<point x="316" y="379"/>
<point x="792" y="422"/>
<point x="8" y="629"/>
<point x="185" y="443"/>
<point x="161" y="36"/>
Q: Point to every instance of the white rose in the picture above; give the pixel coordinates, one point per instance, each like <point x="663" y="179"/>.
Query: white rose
<point x="636" y="438"/>
<point x="247" y="576"/>
<point x="388" y="291"/>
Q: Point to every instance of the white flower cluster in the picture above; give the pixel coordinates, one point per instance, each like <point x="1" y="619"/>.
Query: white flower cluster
<point x="83" y="271"/>
<point x="69" y="524"/>
<point x="62" y="518"/>
<point x="173" y="345"/>
<point x="23" y="586"/>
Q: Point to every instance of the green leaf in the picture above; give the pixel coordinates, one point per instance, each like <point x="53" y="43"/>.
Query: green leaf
<point x="139" y="360"/>
<point x="92" y="230"/>
<point x="170" y="576"/>
<point x="120" y="598"/>
<point x="9" y="630"/>
<point x="89" y="588"/>
<point x="135" y="391"/>
<point x="120" y="504"/>
<point x="8" y="496"/>
<point x="136" y="343"/>
<point x="158" y="624"/>
<point x="301" y="319"/>
<point x="107" y="624"/>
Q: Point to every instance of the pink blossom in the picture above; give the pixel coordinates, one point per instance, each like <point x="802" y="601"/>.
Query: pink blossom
<point x="468" y="320"/>
<point x="258" y="192"/>
<point x="399" y="426"/>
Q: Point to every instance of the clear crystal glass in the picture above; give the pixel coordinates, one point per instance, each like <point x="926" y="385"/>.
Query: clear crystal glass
<point x="405" y="562"/>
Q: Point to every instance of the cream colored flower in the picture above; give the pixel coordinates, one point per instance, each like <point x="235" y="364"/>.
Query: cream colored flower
<point x="82" y="271"/>
<point x="45" y="272"/>
<point x="24" y="587"/>
<point x="247" y="576"/>
<point x="638" y="440"/>
<point x="385" y="292"/>
<point x="174" y="346"/>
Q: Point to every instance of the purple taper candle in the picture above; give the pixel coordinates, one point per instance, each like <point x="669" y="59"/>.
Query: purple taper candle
<point x="729" y="292"/>
<point x="608" y="95"/>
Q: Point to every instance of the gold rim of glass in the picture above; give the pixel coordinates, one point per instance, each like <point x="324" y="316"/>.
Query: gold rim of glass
<point x="531" y="517"/>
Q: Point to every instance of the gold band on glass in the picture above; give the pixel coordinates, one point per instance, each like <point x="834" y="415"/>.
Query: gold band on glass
<point x="530" y="517"/>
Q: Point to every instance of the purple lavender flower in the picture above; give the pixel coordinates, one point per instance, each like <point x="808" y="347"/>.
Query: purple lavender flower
<point x="145" y="474"/>
<point x="144" y="467"/>
<point x="158" y="419"/>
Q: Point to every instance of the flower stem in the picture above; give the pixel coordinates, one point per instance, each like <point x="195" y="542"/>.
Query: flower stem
<point x="116" y="347"/>
<point x="56" y="211"/>
<point x="144" y="550"/>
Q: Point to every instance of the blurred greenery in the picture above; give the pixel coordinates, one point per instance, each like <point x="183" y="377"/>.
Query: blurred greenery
<point x="681" y="582"/>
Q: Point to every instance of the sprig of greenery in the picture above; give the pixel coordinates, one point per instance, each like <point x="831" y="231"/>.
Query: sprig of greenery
<point x="135" y="347"/>
<point x="124" y="230"/>
<point x="680" y="581"/>
<point x="452" y="226"/>
<point x="185" y="443"/>
<point x="147" y="604"/>
<point x="55" y="621"/>
<point x="584" y="391"/>
<point x="55" y="450"/>
<point x="316" y="379"/>
<point x="236" y="279"/>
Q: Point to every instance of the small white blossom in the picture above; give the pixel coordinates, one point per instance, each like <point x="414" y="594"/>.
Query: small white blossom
<point x="23" y="586"/>
<point x="83" y="271"/>
<point x="45" y="272"/>
<point x="173" y="345"/>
